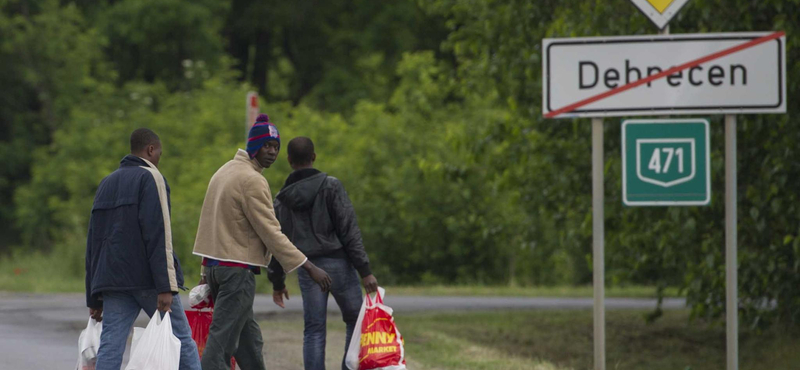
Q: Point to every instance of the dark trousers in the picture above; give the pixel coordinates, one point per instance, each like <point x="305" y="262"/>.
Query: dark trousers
<point x="234" y="331"/>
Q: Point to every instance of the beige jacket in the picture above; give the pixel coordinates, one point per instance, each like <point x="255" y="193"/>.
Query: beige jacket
<point x="237" y="222"/>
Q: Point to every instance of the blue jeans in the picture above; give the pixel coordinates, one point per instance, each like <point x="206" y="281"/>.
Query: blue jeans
<point x="120" y="310"/>
<point x="346" y="290"/>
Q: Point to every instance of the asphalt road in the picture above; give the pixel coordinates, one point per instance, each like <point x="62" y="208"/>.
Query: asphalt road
<point x="40" y="331"/>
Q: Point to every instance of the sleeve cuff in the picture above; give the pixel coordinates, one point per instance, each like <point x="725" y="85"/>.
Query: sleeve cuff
<point x="166" y="289"/>
<point x="295" y="268"/>
<point x="364" y="270"/>
<point x="278" y="285"/>
<point x="94" y="304"/>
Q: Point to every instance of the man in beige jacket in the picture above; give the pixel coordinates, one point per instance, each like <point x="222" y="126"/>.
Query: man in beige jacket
<point x="238" y="234"/>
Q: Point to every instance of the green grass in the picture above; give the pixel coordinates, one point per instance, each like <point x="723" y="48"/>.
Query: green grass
<point x="553" y="340"/>
<point x="60" y="273"/>
<point x="283" y="344"/>
<point x="56" y="272"/>
<point x="542" y="291"/>
<point x="45" y="283"/>
<point x="46" y="278"/>
<point x="563" y="340"/>
<point x="635" y="291"/>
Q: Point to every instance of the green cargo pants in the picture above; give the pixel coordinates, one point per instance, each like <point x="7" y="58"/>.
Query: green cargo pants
<point x="234" y="331"/>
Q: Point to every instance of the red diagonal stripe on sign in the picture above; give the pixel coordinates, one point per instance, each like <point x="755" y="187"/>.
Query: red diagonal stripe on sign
<point x="668" y="72"/>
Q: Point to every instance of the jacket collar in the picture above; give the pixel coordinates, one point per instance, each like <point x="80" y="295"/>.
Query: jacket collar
<point x="132" y="160"/>
<point x="149" y="164"/>
<point x="242" y="156"/>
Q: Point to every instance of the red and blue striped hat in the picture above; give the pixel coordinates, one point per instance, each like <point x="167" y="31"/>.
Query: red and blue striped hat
<point x="261" y="132"/>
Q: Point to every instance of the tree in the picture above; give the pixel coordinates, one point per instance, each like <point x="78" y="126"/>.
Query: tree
<point x="49" y="59"/>
<point x="153" y="40"/>
<point x="330" y="53"/>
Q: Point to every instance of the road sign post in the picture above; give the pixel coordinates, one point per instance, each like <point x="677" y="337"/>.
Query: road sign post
<point x="663" y="75"/>
<point x="598" y="245"/>
<point x="251" y="111"/>
<point x="666" y="162"/>
<point x="731" y="264"/>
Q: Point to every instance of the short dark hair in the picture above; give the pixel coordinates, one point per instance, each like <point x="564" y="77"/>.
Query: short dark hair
<point x="141" y="138"/>
<point x="301" y="150"/>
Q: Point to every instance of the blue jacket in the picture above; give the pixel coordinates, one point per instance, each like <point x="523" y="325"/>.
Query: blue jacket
<point x="129" y="246"/>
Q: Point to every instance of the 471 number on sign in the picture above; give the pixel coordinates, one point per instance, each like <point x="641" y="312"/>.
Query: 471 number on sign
<point x="655" y="159"/>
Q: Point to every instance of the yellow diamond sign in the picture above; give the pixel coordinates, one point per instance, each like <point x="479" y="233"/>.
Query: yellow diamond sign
<point x="660" y="5"/>
<point x="660" y="12"/>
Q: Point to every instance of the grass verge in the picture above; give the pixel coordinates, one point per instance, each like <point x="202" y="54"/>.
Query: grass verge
<point x="634" y="291"/>
<point x="548" y="340"/>
<point x="561" y="340"/>
<point x="62" y="271"/>
<point x="49" y="274"/>
<point x="56" y="272"/>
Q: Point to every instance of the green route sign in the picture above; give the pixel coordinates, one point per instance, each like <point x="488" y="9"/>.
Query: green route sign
<point x="666" y="162"/>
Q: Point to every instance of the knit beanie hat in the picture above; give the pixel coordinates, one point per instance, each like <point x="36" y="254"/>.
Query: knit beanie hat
<point x="261" y="132"/>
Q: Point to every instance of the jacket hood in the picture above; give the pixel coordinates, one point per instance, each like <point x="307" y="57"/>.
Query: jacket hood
<point x="300" y="195"/>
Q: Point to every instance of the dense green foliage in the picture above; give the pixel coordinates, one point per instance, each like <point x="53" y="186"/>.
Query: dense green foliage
<point x="428" y="111"/>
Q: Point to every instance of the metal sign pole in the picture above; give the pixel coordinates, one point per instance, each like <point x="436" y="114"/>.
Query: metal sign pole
<point x="251" y="112"/>
<point x="598" y="245"/>
<point x="731" y="284"/>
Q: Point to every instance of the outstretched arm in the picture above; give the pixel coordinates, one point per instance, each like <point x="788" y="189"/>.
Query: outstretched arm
<point x="348" y="232"/>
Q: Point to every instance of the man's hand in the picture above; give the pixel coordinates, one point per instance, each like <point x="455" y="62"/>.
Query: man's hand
<point x="96" y="314"/>
<point x="202" y="280"/>
<point x="319" y="276"/>
<point x="277" y="297"/>
<point x="165" y="302"/>
<point x="370" y="283"/>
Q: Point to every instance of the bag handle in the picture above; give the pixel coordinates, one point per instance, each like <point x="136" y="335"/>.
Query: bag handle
<point x="378" y="299"/>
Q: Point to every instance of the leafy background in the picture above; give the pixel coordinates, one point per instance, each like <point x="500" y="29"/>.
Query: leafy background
<point x="428" y="111"/>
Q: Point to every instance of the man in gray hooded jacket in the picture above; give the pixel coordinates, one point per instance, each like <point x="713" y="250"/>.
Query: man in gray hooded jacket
<point x="317" y="216"/>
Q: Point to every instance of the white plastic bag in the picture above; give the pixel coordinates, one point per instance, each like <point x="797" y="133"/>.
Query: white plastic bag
<point x="351" y="357"/>
<point x="156" y="348"/>
<point x="137" y="333"/>
<point x="88" y="344"/>
<point x="200" y="296"/>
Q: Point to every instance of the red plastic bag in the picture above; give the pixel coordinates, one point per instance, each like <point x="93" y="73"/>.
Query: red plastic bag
<point x="376" y="343"/>
<point x="200" y="322"/>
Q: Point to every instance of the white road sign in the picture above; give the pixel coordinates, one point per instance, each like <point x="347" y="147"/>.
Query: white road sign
<point x="723" y="73"/>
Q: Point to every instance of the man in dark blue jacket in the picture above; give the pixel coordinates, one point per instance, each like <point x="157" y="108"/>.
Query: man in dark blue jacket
<point x="130" y="264"/>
